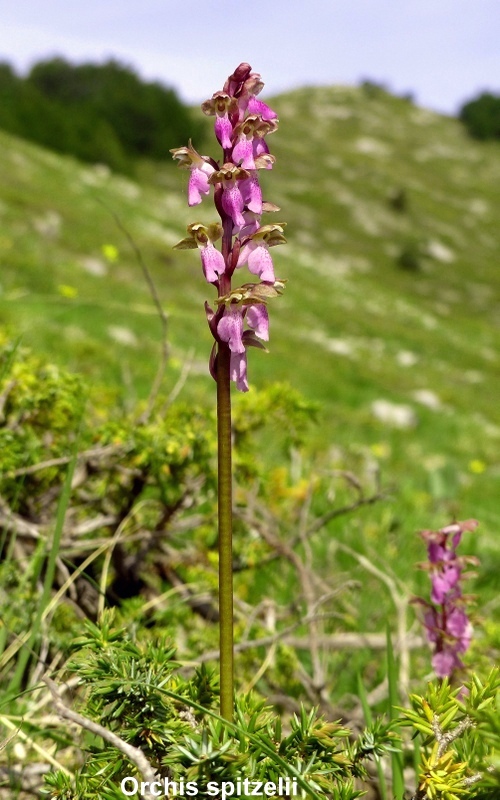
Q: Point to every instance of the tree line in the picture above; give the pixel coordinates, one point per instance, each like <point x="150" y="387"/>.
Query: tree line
<point x="97" y="112"/>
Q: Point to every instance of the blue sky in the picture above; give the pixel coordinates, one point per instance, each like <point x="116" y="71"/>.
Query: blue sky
<point x="441" y="51"/>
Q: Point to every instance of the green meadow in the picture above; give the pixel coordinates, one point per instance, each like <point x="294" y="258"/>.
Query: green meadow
<point x="390" y="316"/>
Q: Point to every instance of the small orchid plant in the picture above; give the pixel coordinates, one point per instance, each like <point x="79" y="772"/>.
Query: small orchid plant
<point x="446" y="622"/>
<point x="240" y="319"/>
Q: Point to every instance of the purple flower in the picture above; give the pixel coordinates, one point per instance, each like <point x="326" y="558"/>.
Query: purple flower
<point x="258" y="258"/>
<point x="203" y="237"/>
<point x="255" y="252"/>
<point x="447" y="625"/>
<point x="252" y="224"/>
<point x="252" y="86"/>
<point x="213" y="263"/>
<point x="238" y="370"/>
<point x="233" y="203"/>
<point x="458" y="626"/>
<point x="252" y="194"/>
<point x="243" y="153"/>
<point x="222" y="105"/>
<point x="431" y="624"/>
<point x="258" y="319"/>
<point x="243" y="150"/>
<point x="250" y="142"/>
<point x="230" y="328"/>
<point x="198" y="185"/>
<point x="445" y="663"/>
<point x="201" y="170"/>
<point x="258" y="107"/>
<point x="236" y="82"/>
<point x="230" y="177"/>
<point x="443" y="582"/>
<point x="242" y="124"/>
<point x="437" y="552"/>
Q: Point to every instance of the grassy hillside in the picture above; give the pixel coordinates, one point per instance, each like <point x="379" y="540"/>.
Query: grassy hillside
<point x="390" y="317"/>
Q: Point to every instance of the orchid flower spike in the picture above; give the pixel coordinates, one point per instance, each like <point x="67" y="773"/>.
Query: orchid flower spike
<point x="242" y="124"/>
<point x="445" y="618"/>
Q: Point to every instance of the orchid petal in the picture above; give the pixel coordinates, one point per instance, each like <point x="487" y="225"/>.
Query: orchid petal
<point x="238" y="370"/>
<point x="252" y="193"/>
<point x="258" y="319"/>
<point x="457" y="623"/>
<point x="259" y="107"/>
<point x="198" y="183"/>
<point x="230" y="329"/>
<point x="244" y="151"/>
<point x="223" y="131"/>
<point x="444" y="663"/>
<point x="233" y="204"/>
<point x="260" y="262"/>
<point x="259" y="147"/>
<point x="213" y="263"/>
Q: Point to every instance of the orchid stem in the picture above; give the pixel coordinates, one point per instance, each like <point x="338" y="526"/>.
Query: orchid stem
<point x="225" y="501"/>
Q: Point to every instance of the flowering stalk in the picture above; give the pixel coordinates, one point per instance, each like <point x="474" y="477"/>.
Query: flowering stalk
<point x="447" y="625"/>
<point x="240" y="320"/>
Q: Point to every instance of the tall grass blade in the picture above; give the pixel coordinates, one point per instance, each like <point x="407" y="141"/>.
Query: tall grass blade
<point x="398" y="784"/>
<point x="26" y="651"/>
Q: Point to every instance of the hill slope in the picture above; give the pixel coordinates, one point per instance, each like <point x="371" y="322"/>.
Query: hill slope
<point x="390" y="317"/>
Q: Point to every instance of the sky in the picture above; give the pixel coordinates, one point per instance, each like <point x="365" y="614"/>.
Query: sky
<point x="442" y="52"/>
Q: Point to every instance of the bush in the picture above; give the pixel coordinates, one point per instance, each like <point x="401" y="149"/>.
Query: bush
<point x="130" y="524"/>
<point x="481" y="116"/>
<point x="135" y="692"/>
<point x="98" y="113"/>
<point x="131" y="527"/>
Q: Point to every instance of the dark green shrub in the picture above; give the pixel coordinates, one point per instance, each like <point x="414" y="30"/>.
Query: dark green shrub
<point x="410" y="256"/>
<point x="98" y="113"/>
<point x="146" y="118"/>
<point x="481" y="116"/>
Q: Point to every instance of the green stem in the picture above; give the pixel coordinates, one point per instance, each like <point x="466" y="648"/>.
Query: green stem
<point x="225" y="498"/>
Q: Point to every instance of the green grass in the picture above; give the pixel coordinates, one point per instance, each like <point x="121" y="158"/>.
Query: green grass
<point x="352" y="329"/>
<point x="353" y="326"/>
